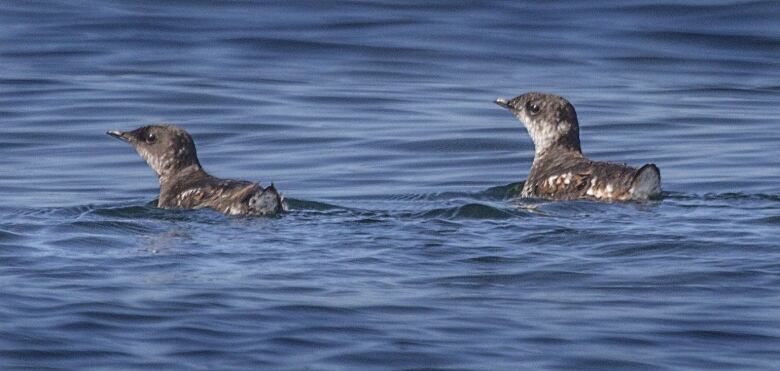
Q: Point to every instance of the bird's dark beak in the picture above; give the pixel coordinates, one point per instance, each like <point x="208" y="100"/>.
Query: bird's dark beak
<point x="119" y="135"/>
<point x="503" y="103"/>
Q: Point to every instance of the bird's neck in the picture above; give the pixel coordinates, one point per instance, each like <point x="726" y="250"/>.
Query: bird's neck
<point x="556" y="154"/>
<point x="176" y="175"/>
<point x="557" y="149"/>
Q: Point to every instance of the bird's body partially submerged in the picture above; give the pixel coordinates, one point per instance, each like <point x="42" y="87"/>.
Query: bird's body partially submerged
<point x="170" y="152"/>
<point x="569" y="176"/>
<point x="560" y="170"/>
<point x="228" y="196"/>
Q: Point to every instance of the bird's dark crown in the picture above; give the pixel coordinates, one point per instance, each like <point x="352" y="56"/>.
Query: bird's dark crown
<point x="167" y="149"/>
<point x="551" y="120"/>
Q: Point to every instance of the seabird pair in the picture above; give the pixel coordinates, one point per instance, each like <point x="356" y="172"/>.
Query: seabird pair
<point x="559" y="171"/>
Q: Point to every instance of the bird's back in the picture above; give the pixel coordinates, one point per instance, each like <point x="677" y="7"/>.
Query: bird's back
<point x="232" y="197"/>
<point x="572" y="176"/>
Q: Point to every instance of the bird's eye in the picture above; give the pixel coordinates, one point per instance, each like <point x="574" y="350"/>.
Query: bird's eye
<point x="532" y="108"/>
<point x="150" y="138"/>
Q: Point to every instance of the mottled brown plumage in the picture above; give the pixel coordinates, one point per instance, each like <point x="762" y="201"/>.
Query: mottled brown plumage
<point x="170" y="152"/>
<point x="560" y="170"/>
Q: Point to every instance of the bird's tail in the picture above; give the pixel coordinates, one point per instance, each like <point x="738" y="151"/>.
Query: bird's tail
<point x="268" y="202"/>
<point x="646" y="183"/>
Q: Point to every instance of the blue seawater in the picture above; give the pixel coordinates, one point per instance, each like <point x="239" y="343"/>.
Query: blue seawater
<point x="405" y="247"/>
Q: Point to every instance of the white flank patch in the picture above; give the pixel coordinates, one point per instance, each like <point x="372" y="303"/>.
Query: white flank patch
<point x="188" y="193"/>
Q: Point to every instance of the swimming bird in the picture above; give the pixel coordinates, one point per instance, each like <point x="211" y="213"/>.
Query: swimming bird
<point x="170" y="152"/>
<point x="560" y="171"/>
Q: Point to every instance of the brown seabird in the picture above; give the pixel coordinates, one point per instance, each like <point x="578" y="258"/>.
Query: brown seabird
<point x="560" y="171"/>
<point x="170" y="152"/>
